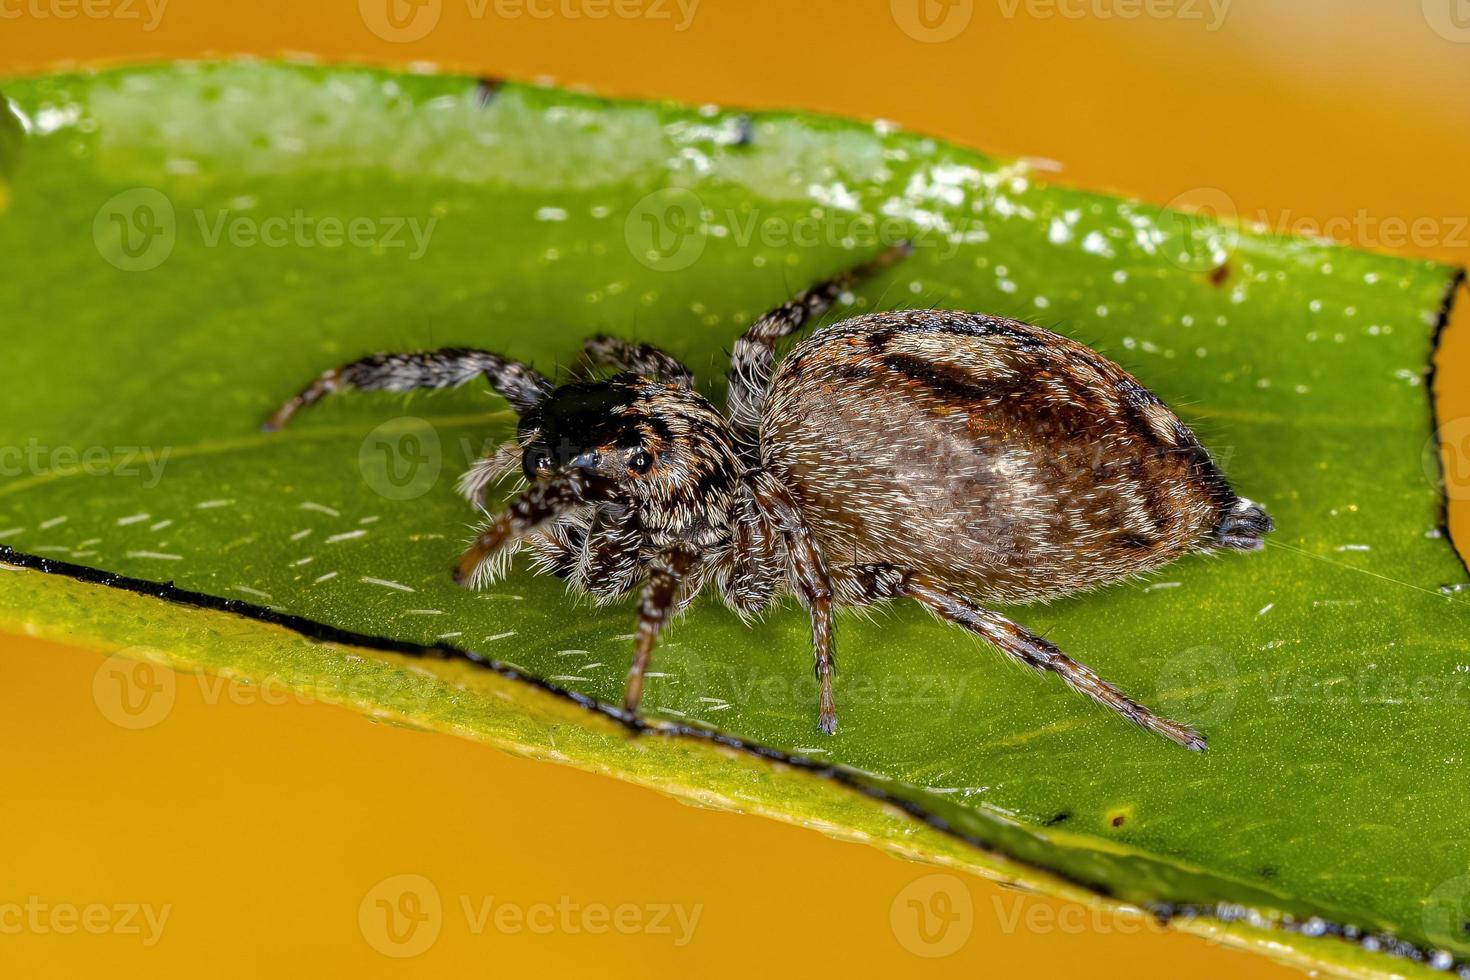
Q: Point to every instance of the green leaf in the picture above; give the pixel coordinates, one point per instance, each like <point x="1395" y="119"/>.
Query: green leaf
<point x="187" y="245"/>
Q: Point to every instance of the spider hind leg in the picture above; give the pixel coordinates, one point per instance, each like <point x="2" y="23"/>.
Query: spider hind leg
<point x="1020" y="644"/>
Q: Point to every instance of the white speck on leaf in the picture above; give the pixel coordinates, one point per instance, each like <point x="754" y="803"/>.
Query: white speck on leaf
<point x="387" y="584"/>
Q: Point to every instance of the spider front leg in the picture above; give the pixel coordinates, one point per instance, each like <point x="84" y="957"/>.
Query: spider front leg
<point x="541" y="503"/>
<point x="489" y="470"/>
<point x="517" y="383"/>
<point x="659" y="600"/>
<point x="755" y="351"/>
<point x="1021" y="644"/>
<point x="644" y="359"/>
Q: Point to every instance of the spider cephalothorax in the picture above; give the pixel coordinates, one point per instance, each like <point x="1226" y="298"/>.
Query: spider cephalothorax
<point x="658" y="445"/>
<point x="936" y="456"/>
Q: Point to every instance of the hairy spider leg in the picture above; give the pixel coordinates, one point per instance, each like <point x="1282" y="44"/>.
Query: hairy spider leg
<point x="541" y="503"/>
<point x="517" y="383"/>
<point x="754" y="353"/>
<point x="813" y="587"/>
<point x="660" y="599"/>
<point x="644" y="359"/>
<point x="503" y="461"/>
<point x="1021" y="644"/>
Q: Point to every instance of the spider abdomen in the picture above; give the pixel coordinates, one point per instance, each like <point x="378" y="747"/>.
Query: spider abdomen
<point x="1004" y="459"/>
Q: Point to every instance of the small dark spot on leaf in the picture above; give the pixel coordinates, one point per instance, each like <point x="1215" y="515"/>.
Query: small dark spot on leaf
<point x="1062" y="817"/>
<point x="744" y="131"/>
<point x="1219" y="274"/>
<point x="1267" y="872"/>
<point x="486" y="89"/>
<point x="1118" y="820"/>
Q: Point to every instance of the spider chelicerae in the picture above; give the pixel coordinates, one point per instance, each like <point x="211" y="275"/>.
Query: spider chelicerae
<point x="945" y="457"/>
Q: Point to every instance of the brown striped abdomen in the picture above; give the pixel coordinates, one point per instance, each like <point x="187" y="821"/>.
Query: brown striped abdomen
<point x="1003" y="458"/>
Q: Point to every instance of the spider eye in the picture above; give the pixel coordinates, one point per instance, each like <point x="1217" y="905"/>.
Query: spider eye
<point x="535" y="461"/>
<point x="640" y="461"/>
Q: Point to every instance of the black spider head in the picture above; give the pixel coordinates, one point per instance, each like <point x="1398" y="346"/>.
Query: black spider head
<point x="649" y="437"/>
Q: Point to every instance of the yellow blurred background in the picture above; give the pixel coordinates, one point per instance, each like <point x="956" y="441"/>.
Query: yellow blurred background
<point x="253" y="834"/>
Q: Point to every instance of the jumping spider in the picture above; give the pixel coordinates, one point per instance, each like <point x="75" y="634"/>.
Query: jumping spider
<point x="938" y="456"/>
